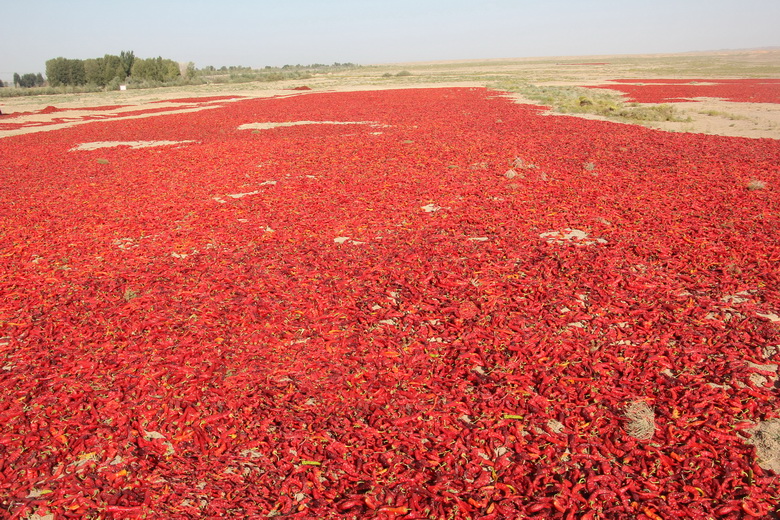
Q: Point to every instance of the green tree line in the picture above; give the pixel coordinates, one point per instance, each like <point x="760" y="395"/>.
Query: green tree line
<point x="28" y="80"/>
<point x="110" y="70"/>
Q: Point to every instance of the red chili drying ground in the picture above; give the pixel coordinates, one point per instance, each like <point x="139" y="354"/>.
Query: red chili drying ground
<point x="96" y="117"/>
<point x="375" y="324"/>
<point x="51" y="109"/>
<point x="675" y="91"/>
<point x="190" y="102"/>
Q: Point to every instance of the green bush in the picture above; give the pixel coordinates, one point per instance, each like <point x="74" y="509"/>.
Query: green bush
<point x="48" y="91"/>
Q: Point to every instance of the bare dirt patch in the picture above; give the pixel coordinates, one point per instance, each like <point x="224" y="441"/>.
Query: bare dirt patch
<point x="718" y="117"/>
<point x="766" y="438"/>
<point x="131" y="144"/>
<point x="706" y="116"/>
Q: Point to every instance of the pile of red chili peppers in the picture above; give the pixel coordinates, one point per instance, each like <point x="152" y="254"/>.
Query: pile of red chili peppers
<point x="375" y="319"/>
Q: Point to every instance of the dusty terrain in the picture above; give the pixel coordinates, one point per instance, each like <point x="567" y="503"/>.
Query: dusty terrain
<point x="711" y="116"/>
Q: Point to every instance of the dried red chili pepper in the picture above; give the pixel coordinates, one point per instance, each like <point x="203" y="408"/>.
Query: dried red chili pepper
<point x="156" y="338"/>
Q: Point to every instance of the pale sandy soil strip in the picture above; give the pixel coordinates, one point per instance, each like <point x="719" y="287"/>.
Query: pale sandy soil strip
<point x="132" y="144"/>
<point x="59" y="126"/>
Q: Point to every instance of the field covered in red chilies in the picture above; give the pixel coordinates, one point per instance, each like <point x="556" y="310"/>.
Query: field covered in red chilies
<point x="82" y="114"/>
<point x="676" y="90"/>
<point x="430" y="303"/>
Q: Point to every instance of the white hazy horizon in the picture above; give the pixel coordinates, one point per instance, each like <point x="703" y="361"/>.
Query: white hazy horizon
<point x="259" y="33"/>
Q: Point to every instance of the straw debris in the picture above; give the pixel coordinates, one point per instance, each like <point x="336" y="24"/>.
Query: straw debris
<point x="641" y="420"/>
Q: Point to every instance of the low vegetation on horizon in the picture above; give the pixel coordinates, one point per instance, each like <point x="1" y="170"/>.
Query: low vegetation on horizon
<point x="69" y="76"/>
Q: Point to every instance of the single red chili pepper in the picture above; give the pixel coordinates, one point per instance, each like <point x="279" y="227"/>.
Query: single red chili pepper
<point x="576" y="493"/>
<point x="349" y="504"/>
<point x="370" y="502"/>
<point x="559" y="505"/>
<point x="539" y="506"/>
<point x="753" y="509"/>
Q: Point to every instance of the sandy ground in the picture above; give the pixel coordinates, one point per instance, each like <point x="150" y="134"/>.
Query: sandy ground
<point x="714" y="116"/>
<point x="711" y="116"/>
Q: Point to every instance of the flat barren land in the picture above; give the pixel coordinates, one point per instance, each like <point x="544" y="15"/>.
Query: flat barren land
<point x="703" y="112"/>
<point x="507" y="289"/>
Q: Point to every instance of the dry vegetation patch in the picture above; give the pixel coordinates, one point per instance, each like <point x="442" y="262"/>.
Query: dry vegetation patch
<point x="641" y="420"/>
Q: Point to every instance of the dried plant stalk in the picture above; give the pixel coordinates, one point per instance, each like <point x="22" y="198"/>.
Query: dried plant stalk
<point x="755" y="184"/>
<point x="641" y="420"/>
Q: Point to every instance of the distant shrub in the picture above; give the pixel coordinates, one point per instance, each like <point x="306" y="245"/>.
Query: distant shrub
<point x="114" y="83"/>
<point x="37" y="91"/>
<point x="403" y="73"/>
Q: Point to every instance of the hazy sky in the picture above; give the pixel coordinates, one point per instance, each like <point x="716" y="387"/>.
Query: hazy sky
<point x="263" y="32"/>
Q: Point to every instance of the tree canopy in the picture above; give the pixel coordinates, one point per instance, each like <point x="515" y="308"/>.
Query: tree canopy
<point x="28" y="80"/>
<point x="110" y="69"/>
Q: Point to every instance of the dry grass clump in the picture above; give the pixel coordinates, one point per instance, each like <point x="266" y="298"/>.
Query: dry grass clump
<point x="607" y="103"/>
<point x="641" y="420"/>
<point x="755" y="184"/>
